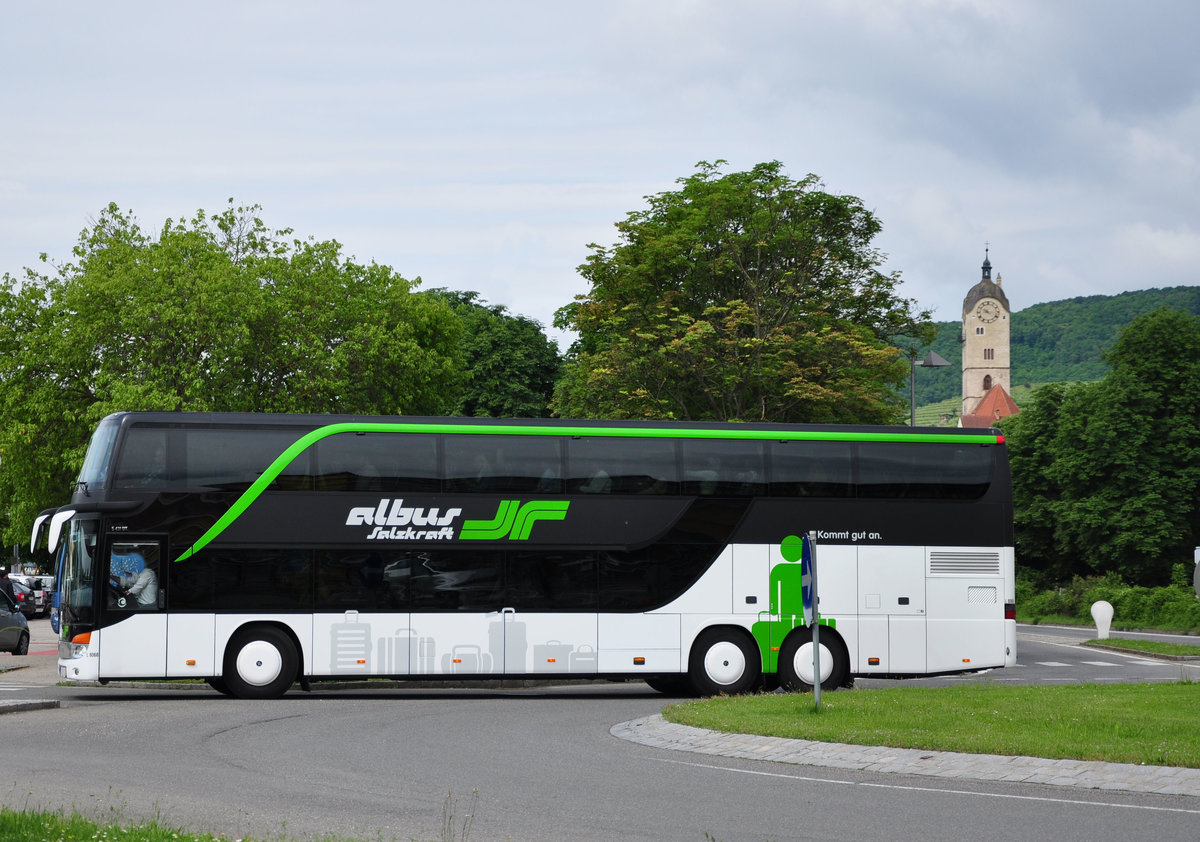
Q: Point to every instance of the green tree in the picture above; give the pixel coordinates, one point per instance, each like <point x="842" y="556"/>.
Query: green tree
<point x="511" y="364"/>
<point x="1114" y="466"/>
<point x="1031" y="436"/>
<point x="216" y="313"/>
<point x="740" y="296"/>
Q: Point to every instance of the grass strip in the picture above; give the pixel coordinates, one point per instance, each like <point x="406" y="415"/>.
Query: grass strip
<point x="1155" y="647"/>
<point x="1152" y="724"/>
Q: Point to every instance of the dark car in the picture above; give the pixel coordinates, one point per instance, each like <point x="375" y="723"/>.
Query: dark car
<point x="40" y="588"/>
<point x="26" y="600"/>
<point x="14" y="628"/>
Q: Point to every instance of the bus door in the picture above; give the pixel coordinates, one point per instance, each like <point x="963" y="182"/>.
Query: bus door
<point x="891" y="605"/>
<point x="133" y="638"/>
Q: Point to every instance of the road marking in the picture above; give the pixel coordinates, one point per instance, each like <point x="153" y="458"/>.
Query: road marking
<point x="939" y="790"/>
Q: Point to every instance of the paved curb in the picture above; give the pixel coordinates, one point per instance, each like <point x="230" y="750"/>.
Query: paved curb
<point x="1164" y="780"/>
<point x="19" y="705"/>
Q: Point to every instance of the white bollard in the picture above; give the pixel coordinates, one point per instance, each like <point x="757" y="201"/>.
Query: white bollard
<point x="1102" y="613"/>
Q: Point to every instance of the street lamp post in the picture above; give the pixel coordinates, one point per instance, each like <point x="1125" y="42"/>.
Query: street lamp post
<point x="932" y="360"/>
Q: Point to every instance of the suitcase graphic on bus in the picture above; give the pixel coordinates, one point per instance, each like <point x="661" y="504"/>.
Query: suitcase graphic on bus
<point x="426" y="656"/>
<point x="583" y="659"/>
<point x="350" y="646"/>
<point x="393" y="652"/>
<point x="467" y="659"/>
<point x="552" y="656"/>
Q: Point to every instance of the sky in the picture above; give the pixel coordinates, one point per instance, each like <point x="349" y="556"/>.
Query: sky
<point x="483" y="146"/>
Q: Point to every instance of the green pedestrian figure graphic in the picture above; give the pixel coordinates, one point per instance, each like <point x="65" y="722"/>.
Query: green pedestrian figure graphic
<point x="785" y="602"/>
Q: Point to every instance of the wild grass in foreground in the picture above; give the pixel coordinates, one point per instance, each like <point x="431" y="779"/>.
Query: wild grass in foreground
<point x="39" y="826"/>
<point x="1153" y="724"/>
<point x="43" y="826"/>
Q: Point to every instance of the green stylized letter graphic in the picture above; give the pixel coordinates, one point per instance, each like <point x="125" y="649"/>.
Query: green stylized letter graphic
<point x="513" y="520"/>
<point x="536" y="510"/>
<point x="491" y="530"/>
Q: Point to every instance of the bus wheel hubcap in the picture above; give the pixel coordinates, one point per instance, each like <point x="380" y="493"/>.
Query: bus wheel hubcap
<point x="725" y="662"/>
<point x="259" y="663"/>
<point x="803" y="664"/>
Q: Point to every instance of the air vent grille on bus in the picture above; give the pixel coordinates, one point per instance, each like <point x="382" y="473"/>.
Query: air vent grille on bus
<point x="978" y="595"/>
<point x="949" y="563"/>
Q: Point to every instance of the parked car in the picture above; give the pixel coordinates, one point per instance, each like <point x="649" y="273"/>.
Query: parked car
<point x="14" y="628"/>
<point x="41" y="586"/>
<point x="26" y="601"/>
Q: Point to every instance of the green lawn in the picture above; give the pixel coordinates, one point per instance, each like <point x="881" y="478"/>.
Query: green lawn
<point x="1154" y="724"/>
<point x="1154" y="647"/>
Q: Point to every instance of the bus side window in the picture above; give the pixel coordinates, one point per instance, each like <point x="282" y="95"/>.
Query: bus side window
<point x="723" y="468"/>
<point x="504" y="464"/>
<point x="143" y="460"/>
<point x="216" y="459"/>
<point x="622" y="466"/>
<point x="133" y="576"/>
<point x="811" y="469"/>
<point x="391" y="462"/>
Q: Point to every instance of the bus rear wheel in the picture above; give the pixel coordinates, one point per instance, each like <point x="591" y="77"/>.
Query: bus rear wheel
<point x="724" y="661"/>
<point x="260" y="663"/>
<point x="796" y="661"/>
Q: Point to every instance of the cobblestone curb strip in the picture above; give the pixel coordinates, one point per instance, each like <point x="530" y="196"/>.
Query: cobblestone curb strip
<point x="18" y="705"/>
<point x="1164" y="780"/>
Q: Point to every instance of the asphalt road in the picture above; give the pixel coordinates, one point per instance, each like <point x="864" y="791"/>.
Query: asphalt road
<point x="384" y="765"/>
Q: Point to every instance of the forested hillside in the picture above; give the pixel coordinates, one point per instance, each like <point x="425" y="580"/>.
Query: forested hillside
<point x="1059" y="341"/>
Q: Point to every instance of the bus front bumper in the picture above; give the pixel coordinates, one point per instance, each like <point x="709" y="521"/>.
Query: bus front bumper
<point x="78" y="661"/>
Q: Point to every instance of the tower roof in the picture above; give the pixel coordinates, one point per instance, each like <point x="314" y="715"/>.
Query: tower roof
<point x="986" y="288"/>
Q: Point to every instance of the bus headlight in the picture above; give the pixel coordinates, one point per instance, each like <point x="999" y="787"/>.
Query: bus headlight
<point x="76" y="647"/>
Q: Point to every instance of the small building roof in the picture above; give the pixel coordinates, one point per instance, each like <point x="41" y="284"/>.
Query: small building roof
<point x="996" y="404"/>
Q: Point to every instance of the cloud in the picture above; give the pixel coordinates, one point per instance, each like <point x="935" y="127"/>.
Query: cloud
<point x="482" y="146"/>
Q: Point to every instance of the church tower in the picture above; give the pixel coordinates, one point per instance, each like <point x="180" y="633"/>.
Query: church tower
<point x="985" y="341"/>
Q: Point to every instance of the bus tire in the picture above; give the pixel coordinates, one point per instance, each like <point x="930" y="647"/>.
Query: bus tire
<point x="260" y="663"/>
<point x="671" y="685"/>
<point x="724" y="661"/>
<point x="217" y="683"/>
<point x="796" y="661"/>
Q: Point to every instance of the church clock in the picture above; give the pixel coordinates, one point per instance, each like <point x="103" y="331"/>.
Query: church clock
<point x="987" y="311"/>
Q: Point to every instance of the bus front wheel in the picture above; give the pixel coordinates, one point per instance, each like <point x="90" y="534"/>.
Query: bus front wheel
<point x="670" y="685"/>
<point x="796" y="662"/>
<point x="260" y="663"/>
<point x="724" y="661"/>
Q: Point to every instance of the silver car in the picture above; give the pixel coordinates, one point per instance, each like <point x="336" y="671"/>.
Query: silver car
<point x="14" y="628"/>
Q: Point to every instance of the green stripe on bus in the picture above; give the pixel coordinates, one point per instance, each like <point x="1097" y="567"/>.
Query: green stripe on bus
<point x="308" y="439"/>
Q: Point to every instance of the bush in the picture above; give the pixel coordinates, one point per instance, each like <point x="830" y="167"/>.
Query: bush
<point x="1173" y="608"/>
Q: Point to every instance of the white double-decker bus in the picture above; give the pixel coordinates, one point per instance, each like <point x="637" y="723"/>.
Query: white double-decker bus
<point x="259" y="551"/>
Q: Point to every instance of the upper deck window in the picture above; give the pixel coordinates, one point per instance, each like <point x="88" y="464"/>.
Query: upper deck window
<point x="206" y="458"/>
<point x="944" y="471"/>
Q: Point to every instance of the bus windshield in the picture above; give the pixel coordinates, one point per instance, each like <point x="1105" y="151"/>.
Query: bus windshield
<point x="78" y="573"/>
<point x="99" y="452"/>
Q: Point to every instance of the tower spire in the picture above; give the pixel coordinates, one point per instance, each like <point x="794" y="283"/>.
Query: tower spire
<point x="987" y="264"/>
